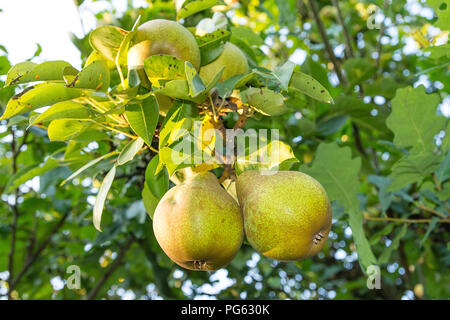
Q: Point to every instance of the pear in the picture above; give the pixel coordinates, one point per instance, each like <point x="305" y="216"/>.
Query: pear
<point x="232" y="58"/>
<point x="161" y="36"/>
<point x="287" y="215"/>
<point x="198" y="224"/>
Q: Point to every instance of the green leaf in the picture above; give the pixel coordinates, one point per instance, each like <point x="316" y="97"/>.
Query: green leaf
<point x="95" y="76"/>
<point x="270" y="155"/>
<point x="446" y="141"/>
<point x="226" y="87"/>
<point x="30" y="173"/>
<point x="164" y="67"/>
<point x="129" y="151"/>
<point x="283" y="74"/>
<point x="384" y="258"/>
<point x="143" y="118"/>
<point x="65" y="110"/>
<point x="101" y="197"/>
<point x="287" y="12"/>
<point x="361" y="113"/>
<point x="176" y="89"/>
<point x="383" y="232"/>
<point x="247" y="35"/>
<point x="41" y="95"/>
<point x="382" y="183"/>
<point x="28" y="72"/>
<point x="442" y="10"/>
<point x="311" y="87"/>
<point x="358" y="70"/>
<point x="150" y="201"/>
<point x="157" y="182"/>
<point x="190" y="7"/>
<point x="107" y="40"/>
<point x="195" y="83"/>
<point x="412" y="168"/>
<point x="443" y="172"/>
<point x="413" y="119"/>
<point x="211" y="45"/>
<point x="177" y="126"/>
<point x="264" y="100"/>
<point x="88" y="165"/>
<point x="335" y="169"/>
<point x="65" y="129"/>
<point x="430" y="228"/>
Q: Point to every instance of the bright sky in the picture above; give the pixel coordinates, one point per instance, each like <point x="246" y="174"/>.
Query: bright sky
<point x="24" y="23"/>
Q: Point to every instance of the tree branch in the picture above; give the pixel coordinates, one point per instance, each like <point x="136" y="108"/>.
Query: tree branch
<point x="30" y="261"/>
<point x="161" y="274"/>
<point x="348" y="42"/>
<point x="111" y="269"/>
<point x="367" y="217"/>
<point x="337" y="68"/>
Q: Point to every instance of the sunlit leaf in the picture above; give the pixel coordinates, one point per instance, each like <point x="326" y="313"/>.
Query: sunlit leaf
<point x="101" y="197"/>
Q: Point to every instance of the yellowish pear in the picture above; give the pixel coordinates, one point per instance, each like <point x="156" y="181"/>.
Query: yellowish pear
<point x="287" y="215"/>
<point x="198" y="224"/>
<point x="232" y="58"/>
<point x="165" y="37"/>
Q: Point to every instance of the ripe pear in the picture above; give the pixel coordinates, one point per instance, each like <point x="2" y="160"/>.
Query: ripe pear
<point x="165" y="37"/>
<point x="232" y="58"/>
<point x="287" y="215"/>
<point x="198" y="224"/>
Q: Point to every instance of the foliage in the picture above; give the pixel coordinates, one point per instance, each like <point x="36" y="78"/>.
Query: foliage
<point x="361" y="114"/>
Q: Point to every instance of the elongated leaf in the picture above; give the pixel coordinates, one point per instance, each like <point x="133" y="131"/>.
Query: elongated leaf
<point x="65" y="110"/>
<point x="65" y="129"/>
<point x="150" y="201"/>
<point x="158" y="183"/>
<point x="41" y="95"/>
<point x="311" y="87"/>
<point x="195" y="83"/>
<point x="101" y="197"/>
<point x="384" y="258"/>
<point x="94" y="76"/>
<point x="88" y="165"/>
<point x="129" y="151"/>
<point x="30" y="173"/>
<point x="143" y="118"/>
<point x="443" y="172"/>
<point x="264" y="100"/>
<point x="28" y="71"/>
<point x="284" y="74"/>
<point x="190" y="7"/>
<point x="226" y="87"/>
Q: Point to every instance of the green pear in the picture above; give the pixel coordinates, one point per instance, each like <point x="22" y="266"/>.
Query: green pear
<point x="198" y="224"/>
<point x="165" y="37"/>
<point x="232" y="58"/>
<point x="287" y="215"/>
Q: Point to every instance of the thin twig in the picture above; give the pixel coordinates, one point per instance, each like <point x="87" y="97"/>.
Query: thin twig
<point x="41" y="248"/>
<point x="421" y="206"/>
<point x="323" y="34"/>
<point x="111" y="269"/>
<point x="404" y="220"/>
<point x="380" y="35"/>
<point x="348" y="42"/>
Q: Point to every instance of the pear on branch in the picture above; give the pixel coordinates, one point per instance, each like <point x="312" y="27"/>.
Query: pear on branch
<point x="198" y="224"/>
<point x="287" y="215"/>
